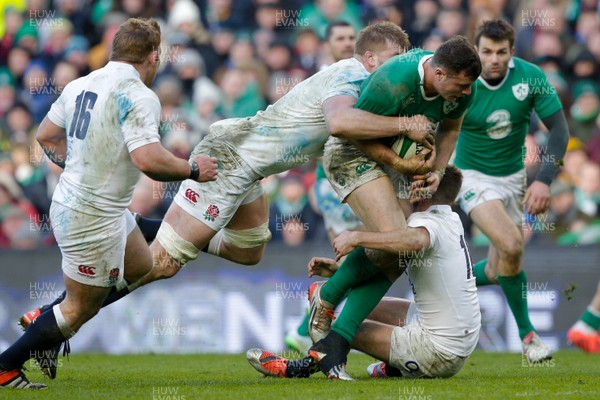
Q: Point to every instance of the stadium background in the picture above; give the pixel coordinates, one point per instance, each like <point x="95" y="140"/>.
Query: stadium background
<point x="230" y="58"/>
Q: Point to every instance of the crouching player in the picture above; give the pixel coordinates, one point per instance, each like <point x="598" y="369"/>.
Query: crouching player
<point x="430" y="337"/>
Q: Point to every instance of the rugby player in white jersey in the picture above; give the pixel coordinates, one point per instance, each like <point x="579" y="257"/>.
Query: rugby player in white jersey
<point x="229" y="217"/>
<point x="434" y="335"/>
<point x="103" y="130"/>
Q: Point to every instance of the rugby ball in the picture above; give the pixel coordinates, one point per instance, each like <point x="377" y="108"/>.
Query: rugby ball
<point x="406" y="148"/>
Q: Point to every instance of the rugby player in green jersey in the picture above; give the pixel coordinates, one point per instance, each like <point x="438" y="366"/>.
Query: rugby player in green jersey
<point x="490" y="152"/>
<point x="439" y="86"/>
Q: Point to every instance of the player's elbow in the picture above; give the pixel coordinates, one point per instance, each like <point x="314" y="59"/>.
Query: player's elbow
<point x="417" y="244"/>
<point x="144" y="164"/>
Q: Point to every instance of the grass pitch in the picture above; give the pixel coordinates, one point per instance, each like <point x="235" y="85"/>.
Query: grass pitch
<point x="570" y="375"/>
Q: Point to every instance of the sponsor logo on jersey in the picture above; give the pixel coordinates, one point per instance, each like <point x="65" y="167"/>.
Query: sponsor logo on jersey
<point x="191" y="196"/>
<point x="448" y="107"/>
<point x="211" y="213"/>
<point x="113" y="275"/>
<point x="86" y="270"/>
<point x="520" y="90"/>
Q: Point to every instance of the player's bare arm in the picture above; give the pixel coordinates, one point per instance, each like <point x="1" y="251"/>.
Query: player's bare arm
<point x="159" y="164"/>
<point x="419" y="164"/>
<point x="405" y="240"/>
<point x="345" y="121"/>
<point x="53" y="140"/>
<point x="537" y="197"/>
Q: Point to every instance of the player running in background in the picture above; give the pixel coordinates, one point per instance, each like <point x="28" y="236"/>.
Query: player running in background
<point x="584" y="333"/>
<point x="103" y="130"/>
<point x="338" y="216"/>
<point x="434" y="335"/>
<point x="230" y="217"/>
<point x="438" y="85"/>
<point x="490" y="154"/>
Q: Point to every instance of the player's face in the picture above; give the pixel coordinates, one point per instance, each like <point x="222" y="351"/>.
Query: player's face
<point x="452" y="87"/>
<point x="341" y="42"/>
<point x="494" y="57"/>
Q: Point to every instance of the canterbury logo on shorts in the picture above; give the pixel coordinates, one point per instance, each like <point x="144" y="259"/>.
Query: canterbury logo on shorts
<point x="86" y="270"/>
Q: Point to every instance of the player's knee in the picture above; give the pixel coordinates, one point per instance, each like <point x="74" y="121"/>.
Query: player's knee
<point x="381" y="259"/>
<point x="246" y="246"/>
<point x="175" y="252"/>
<point x="511" y="248"/>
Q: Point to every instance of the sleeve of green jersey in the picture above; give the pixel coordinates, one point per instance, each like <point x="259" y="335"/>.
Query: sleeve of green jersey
<point x="382" y="92"/>
<point x="545" y="99"/>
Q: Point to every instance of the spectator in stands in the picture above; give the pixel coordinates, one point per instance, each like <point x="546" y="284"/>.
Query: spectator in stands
<point x="585" y="109"/>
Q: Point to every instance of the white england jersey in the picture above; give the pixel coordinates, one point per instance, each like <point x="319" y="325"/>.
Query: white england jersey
<point x="292" y="131"/>
<point x="106" y="115"/>
<point x="443" y="282"/>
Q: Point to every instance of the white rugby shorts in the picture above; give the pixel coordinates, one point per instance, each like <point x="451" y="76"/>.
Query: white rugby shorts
<point x="92" y="247"/>
<point x="478" y="188"/>
<point x="415" y="355"/>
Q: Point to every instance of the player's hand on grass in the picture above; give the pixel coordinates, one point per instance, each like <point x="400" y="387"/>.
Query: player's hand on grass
<point x="420" y="129"/>
<point x="322" y="266"/>
<point x="208" y="168"/>
<point x="537" y="198"/>
<point x="344" y="244"/>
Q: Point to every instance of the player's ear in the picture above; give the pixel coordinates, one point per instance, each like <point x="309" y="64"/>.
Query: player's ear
<point x="439" y="74"/>
<point x="371" y="58"/>
<point x="154" y="57"/>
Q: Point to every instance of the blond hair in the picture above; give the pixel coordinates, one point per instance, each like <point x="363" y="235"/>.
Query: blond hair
<point x="135" y="39"/>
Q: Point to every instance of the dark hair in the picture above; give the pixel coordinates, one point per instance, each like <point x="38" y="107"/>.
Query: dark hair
<point x="334" y="24"/>
<point x="378" y="35"/>
<point x="449" y="186"/>
<point x="135" y="39"/>
<point x="497" y="30"/>
<point x="457" y="55"/>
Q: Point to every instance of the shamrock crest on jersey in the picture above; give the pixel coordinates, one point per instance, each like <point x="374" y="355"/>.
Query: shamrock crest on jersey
<point x="520" y="90"/>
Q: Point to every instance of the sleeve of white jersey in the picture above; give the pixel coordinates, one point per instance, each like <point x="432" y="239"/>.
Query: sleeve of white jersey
<point x="141" y="124"/>
<point x="343" y="85"/>
<point x="422" y="220"/>
<point x="57" y="112"/>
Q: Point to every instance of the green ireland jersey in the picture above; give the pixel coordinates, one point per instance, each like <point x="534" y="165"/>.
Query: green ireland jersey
<point x="396" y="88"/>
<point x="492" y="135"/>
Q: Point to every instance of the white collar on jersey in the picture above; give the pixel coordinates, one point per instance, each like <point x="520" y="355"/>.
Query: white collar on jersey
<point x="511" y="65"/>
<point x="421" y="70"/>
<point x="440" y="208"/>
<point x="123" y="66"/>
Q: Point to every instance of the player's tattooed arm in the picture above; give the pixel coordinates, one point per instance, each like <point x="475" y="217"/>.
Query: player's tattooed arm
<point x="53" y="140"/>
<point x="383" y="154"/>
<point x="52" y="156"/>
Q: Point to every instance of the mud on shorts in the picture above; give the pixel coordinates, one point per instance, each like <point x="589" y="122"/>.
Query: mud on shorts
<point x="214" y="203"/>
<point x="348" y="168"/>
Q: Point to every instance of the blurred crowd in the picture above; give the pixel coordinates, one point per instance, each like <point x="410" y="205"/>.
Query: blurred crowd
<point x="231" y="58"/>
